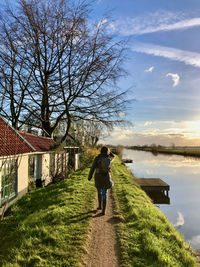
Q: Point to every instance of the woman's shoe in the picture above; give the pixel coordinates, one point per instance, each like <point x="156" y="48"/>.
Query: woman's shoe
<point x="104" y="207"/>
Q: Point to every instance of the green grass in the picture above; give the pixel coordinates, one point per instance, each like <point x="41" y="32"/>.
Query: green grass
<point x="49" y="226"/>
<point x="146" y="237"/>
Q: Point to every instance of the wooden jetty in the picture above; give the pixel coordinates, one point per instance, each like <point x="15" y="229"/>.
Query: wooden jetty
<point x="156" y="188"/>
<point x="127" y="161"/>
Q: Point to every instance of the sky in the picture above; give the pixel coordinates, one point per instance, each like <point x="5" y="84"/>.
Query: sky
<point x="164" y="69"/>
<point x="163" y="62"/>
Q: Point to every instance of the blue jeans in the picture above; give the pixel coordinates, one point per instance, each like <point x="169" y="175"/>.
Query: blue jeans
<point x="102" y="193"/>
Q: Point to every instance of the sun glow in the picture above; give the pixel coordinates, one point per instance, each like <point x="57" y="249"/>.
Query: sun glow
<point x="182" y="133"/>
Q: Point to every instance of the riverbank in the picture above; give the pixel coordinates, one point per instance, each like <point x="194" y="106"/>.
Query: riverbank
<point x="146" y="237"/>
<point x="50" y="226"/>
<point x="184" y="151"/>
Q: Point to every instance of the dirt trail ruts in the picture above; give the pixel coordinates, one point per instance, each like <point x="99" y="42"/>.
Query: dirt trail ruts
<point x="102" y="246"/>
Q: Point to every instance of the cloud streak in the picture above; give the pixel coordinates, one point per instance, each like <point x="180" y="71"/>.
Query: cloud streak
<point x="126" y="137"/>
<point x="121" y="114"/>
<point x="147" y="123"/>
<point x="182" y="133"/>
<point x="149" y="69"/>
<point x="154" y="22"/>
<point x="189" y="58"/>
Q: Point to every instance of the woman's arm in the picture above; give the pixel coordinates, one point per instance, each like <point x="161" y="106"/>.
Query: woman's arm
<point x="92" y="169"/>
<point x="111" y="155"/>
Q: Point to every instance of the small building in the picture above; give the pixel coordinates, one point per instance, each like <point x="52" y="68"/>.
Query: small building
<point x="39" y="161"/>
<point x="25" y="157"/>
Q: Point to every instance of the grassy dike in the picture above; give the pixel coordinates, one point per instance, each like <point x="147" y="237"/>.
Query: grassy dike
<point x="49" y="226"/>
<point x="146" y="237"/>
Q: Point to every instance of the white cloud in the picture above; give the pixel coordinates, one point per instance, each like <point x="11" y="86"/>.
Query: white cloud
<point x="129" y="138"/>
<point x="183" y="133"/>
<point x="147" y="123"/>
<point x="102" y="22"/>
<point x="122" y="114"/>
<point x="120" y="135"/>
<point x="175" y="78"/>
<point x="190" y="129"/>
<point x="180" y="220"/>
<point x="154" y="22"/>
<point x="149" y="69"/>
<point x="189" y="58"/>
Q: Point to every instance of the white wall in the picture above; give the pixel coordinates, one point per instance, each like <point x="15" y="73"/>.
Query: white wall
<point x="46" y="169"/>
<point x="22" y="174"/>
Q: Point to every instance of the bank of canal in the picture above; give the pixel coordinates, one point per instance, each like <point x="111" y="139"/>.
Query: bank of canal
<point x="50" y="226"/>
<point x="146" y="238"/>
<point x="183" y="176"/>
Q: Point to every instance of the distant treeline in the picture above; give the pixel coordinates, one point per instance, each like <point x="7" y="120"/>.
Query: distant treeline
<point x="178" y="150"/>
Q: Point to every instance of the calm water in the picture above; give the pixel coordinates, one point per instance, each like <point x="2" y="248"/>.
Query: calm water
<point x="183" y="176"/>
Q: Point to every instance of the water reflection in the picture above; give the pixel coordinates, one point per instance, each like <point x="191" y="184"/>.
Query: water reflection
<point x="158" y="197"/>
<point x="180" y="220"/>
<point x="183" y="176"/>
<point x="154" y="153"/>
<point x="195" y="241"/>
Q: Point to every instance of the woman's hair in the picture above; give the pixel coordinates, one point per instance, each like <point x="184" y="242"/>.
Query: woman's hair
<point x="105" y="150"/>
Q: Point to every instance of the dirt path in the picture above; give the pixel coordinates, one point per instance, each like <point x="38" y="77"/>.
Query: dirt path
<point x="102" y="246"/>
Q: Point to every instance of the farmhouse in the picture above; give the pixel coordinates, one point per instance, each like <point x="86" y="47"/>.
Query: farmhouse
<point x="23" y="158"/>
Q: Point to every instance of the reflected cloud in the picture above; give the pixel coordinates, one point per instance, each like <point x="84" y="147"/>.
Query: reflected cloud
<point x="182" y="174"/>
<point x="180" y="220"/>
<point x="149" y="172"/>
<point x="167" y="160"/>
<point x="195" y="241"/>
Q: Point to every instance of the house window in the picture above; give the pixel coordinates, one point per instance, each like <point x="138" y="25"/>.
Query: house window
<point x="8" y="179"/>
<point x="35" y="169"/>
<point x="32" y="166"/>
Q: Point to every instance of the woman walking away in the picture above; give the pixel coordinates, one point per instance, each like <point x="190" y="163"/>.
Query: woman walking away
<point x="103" y="181"/>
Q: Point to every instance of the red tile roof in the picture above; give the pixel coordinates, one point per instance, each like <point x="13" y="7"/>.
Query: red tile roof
<point x="11" y="143"/>
<point x="40" y="143"/>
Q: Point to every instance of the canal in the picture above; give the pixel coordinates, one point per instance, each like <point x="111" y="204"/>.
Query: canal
<point x="183" y="176"/>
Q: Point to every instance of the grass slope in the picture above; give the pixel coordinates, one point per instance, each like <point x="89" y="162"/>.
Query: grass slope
<point x="146" y="237"/>
<point x="49" y="226"/>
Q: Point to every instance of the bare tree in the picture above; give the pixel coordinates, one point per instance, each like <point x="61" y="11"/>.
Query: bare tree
<point x="89" y="132"/>
<point x="74" y="65"/>
<point x="14" y="77"/>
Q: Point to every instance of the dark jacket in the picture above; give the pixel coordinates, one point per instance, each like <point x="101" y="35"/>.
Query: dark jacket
<point x="102" y="180"/>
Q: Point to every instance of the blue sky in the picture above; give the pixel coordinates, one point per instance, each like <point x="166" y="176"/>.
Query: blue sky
<point x="164" y="69"/>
